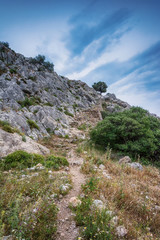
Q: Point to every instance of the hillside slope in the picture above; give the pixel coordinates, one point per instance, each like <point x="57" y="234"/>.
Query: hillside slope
<point x="29" y="91"/>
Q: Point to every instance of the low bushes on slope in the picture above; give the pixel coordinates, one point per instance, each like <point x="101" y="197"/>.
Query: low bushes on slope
<point x="8" y="128"/>
<point x="133" y="132"/>
<point x="21" y="159"/>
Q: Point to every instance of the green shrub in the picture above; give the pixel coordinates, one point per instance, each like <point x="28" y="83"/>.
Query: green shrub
<point x="75" y="105"/>
<point x="13" y="70"/>
<point x="100" y="87"/>
<point x="8" y="128"/>
<point x="56" y="162"/>
<point x="24" y="138"/>
<point x="40" y="59"/>
<point x="60" y="109"/>
<point x="68" y="113"/>
<point x="6" y="44"/>
<point x="27" y="102"/>
<point x="32" y="124"/>
<point x="133" y="132"/>
<point x="20" y="160"/>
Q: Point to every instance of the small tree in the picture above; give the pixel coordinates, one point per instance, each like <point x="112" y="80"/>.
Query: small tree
<point x="40" y="59"/>
<point x="100" y="87"/>
<point x="6" y="44"/>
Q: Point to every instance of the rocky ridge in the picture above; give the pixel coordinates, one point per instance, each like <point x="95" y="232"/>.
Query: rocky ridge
<point x="29" y="92"/>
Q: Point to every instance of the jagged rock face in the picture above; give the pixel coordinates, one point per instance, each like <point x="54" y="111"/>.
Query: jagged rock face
<point x="114" y="104"/>
<point x="30" y="91"/>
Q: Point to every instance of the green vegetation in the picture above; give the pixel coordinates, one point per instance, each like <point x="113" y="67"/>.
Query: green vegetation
<point x="75" y="105"/>
<point x="5" y="44"/>
<point x="82" y="127"/>
<point x="24" y="138"/>
<point x="27" y="207"/>
<point x="49" y="130"/>
<point x="60" y="109"/>
<point x="68" y="113"/>
<point x="48" y="104"/>
<point x="100" y="87"/>
<point x="56" y="162"/>
<point x="21" y="160"/>
<point x="94" y="223"/>
<point x="12" y="70"/>
<point x="27" y="102"/>
<point x="133" y="132"/>
<point x="40" y="59"/>
<point x="8" y="128"/>
<point x="32" y="124"/>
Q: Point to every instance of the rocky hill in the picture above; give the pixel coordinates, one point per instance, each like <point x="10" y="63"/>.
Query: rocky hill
<point x="63" y="187"/>
<point x="37" y="101"/>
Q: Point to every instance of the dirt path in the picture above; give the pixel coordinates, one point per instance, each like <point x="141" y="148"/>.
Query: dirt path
<point x="67" y="229"/>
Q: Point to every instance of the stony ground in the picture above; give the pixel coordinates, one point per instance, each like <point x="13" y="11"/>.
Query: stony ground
<point x="66" y="226"/>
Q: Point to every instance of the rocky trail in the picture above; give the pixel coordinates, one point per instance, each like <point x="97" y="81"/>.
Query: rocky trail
<point x="66" y="225"/>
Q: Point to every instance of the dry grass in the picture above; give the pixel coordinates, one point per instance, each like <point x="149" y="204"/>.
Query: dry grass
<point x="131" y="194"/>
<point x="27" y="204"/>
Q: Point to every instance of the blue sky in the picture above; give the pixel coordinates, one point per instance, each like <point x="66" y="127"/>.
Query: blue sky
<point x="114" y="41"/>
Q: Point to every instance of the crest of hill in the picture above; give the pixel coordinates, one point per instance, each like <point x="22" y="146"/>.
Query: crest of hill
<point x="35" y="99"/>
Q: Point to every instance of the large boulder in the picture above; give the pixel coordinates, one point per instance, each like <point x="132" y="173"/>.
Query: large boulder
<point x="11" y="142"/>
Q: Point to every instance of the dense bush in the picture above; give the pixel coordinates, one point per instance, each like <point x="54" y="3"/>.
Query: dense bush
<point x="6" y="44"/>
<point x="56" y="162"/>
<point x="100" y="87"/>
<point x="40" y="59"/>
<point x="21" y="159"/>
<point x="133" y="132"/>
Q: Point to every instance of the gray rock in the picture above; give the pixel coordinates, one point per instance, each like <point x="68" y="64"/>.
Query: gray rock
<point x="98" y="204"/>
<point x="125" y="160"/>
<point x="53" y="98"/>
<point x="10" y="142"/>
<point x="121" y="231"/>
<point x="135" y="165"/>
<point x="64" y="188"/>
<point x="7" y="237"/>
<point x="114" y="221"/>
<point x="110" y="213"/>
<point x="101" y="166"/>
<point x="157" y="208"/>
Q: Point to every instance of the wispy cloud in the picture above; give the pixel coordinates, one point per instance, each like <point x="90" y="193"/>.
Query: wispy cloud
<point x="83" y="34"/>
<point x="140" y="83"/>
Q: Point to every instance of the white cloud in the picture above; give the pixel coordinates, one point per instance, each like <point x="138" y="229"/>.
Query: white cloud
<point x="135" y="93"/>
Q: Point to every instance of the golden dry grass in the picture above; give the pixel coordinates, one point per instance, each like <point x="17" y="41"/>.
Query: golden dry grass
<point x="132" y="194"/>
